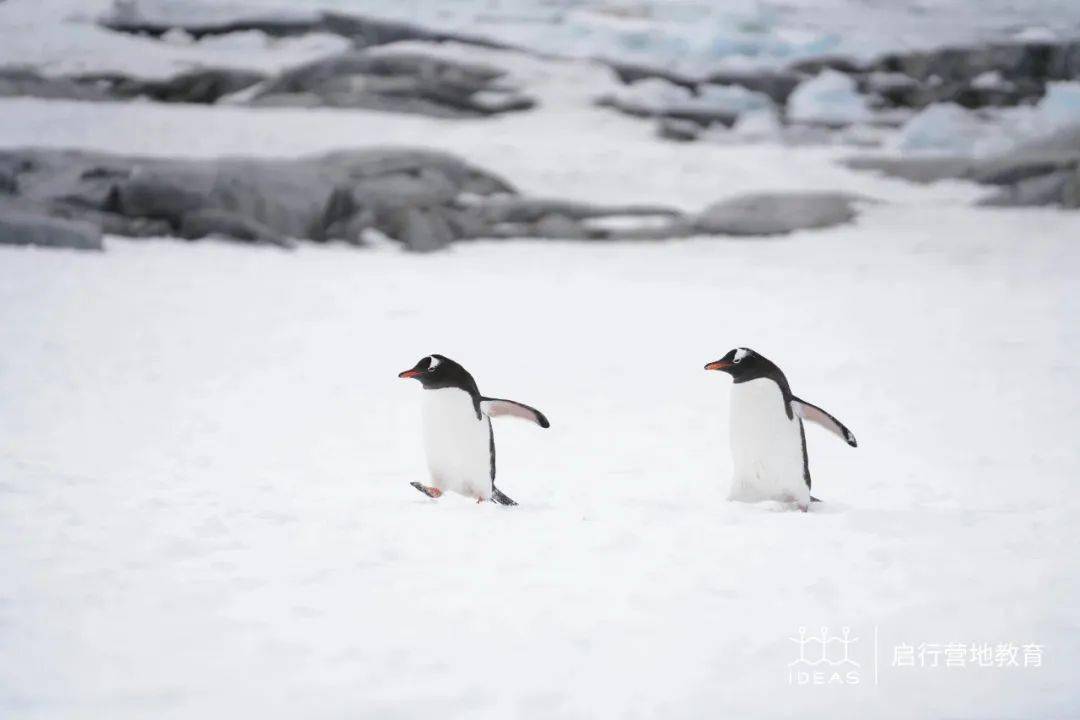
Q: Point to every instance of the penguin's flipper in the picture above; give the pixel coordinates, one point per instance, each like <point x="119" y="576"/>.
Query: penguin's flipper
<point x="429" y="491"/>
<point x="814" y="414"/>
<point x="495" y="407"/>
<point x="498" y="497"/>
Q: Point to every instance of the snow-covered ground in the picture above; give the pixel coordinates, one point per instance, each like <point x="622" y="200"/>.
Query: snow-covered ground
<point x="205" y="457"/>
<point x="205" y="451"/>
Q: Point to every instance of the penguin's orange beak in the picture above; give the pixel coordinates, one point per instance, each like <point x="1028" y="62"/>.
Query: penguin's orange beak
<point x="718" y="365"/>
<point x="409" y="374"/>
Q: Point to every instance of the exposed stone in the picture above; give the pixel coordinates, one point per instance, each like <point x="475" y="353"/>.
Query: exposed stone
<point x="203" y="85"/>
<point x="27" y="82"/>
<point x="632" y="72"/>
<point x="1056" y="188"/>
<point x="776" y="213"/>
<point x="530" y="210"/>
<point x="156" y="18"/>
<point x="678" y="130"/>
<point x="840" y="63"/>
<point x="421" y="230"/>
<point x="18" y="227"/>
<point x="394" y="82"/>
<point x="918" y="169"/>
<point x="560" y="227"/>
<point x="333" y="196"/>
<point x="220" y="223"/>
<point x="778" y="85"/>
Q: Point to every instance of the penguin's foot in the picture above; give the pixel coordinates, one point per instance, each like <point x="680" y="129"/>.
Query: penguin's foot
<point x="804" y="507"/>
<point x="431" y="492"/>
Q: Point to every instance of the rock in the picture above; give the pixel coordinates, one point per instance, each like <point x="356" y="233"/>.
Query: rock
<point x="1056" y="188"/>
<point x="629" y="73"/>
<point x="678" y="130"/>
<point x="166" y="194"/>
<point x="924" y="169"/>
<point x="559" y="227"/>
<point x="27" y="82"/>
<point x="394" y="82"/>
<point x="333" y="196"/>
<point x="776" y="213"/>
<point x="203" y="85"/>
<point x="24" y="228"/>
<point x="839" y="63"/>
<point x="1013" y="167"/>
<point x="778" y="85"/>
<point x="960" y="75"/>
<point x="157" y="18"/>
<point x="531" y="210"/>
<point x="219" y="223"/>
<point x="421" y="230"/>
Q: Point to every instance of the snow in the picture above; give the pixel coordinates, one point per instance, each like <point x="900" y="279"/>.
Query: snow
<point x="205" y="452"/>
<point x="205" y="455"/>
<point x="830" y="97"/>
<point x="60" y="37"/>
<point x="655" y="95"/>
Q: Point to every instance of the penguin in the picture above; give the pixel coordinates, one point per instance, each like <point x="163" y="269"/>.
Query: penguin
<point x="458" y="440"/>
<point x="768" y="443"/>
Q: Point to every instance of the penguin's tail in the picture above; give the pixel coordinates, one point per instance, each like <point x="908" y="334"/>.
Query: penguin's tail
<point x="497" y="496"/>
<point x="814" y="499"/>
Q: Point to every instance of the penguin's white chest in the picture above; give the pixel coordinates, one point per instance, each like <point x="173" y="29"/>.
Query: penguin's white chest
<point x="766" y="445"/>
<point x="457" y="443"/>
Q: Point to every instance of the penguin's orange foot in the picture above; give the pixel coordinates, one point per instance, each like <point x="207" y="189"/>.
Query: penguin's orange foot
<point x="479" y="500"/>
<point x="431" y="492"/>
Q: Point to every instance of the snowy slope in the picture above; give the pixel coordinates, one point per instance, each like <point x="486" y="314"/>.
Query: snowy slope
<point x="205" y="456"/>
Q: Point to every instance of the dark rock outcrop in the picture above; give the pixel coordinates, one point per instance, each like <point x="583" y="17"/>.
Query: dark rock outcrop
<point x="21" y="226"/>
<point x="201" y="85"/>
<point x="1041" y="172"/>
<point x="777" y="84"/>
<point x="411" y="195"/>
<point x="157" y="18"/>
<point x="397" y="82"/>
<point x="992" y="75"/>
<point x="27" y="82"/>
<point x="426" y="200"/>
<point x="678" y="130"/>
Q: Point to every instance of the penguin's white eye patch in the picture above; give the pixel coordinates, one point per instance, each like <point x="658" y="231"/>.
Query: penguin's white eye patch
<point x="740" y="354"/>
<point x="434" y="363"/>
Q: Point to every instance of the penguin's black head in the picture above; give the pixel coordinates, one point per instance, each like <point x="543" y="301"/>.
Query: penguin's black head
<point x="439" y="371"/>
<point x="744" y="364"/>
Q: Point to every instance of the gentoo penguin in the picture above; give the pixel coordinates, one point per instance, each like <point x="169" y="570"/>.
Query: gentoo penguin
<point x="768" y="444"/>
<point x="458" y="441"/>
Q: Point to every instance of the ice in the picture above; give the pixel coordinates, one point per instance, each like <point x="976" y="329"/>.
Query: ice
<point x="1061" y="104"/>
<point x="657" y="95"/>
<point x="831" y="97"/>
<point x="947" y="128"/>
